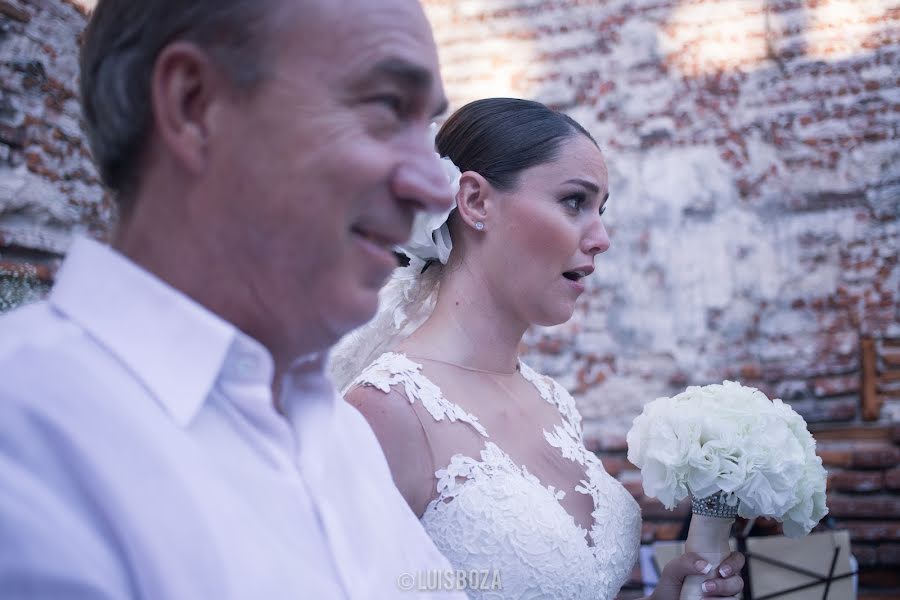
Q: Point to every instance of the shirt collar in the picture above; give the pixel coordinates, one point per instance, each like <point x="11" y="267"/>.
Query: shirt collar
<point x="175" y="346"/>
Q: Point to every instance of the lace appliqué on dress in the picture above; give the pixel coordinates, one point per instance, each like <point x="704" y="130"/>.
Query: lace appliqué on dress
<point x="491" y="513"/>
<point x="392" y="369"/>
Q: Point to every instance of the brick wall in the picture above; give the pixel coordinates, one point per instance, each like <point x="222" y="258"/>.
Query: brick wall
<point x="755" y="210"/>
<point x="754" y="153"/>
<point x="48" y="186"/>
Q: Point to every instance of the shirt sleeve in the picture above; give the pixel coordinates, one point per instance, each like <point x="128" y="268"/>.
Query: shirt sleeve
<point x="51" y="545"/>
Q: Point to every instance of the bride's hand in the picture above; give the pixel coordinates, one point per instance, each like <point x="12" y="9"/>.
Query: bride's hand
<point x="728" y="582"/>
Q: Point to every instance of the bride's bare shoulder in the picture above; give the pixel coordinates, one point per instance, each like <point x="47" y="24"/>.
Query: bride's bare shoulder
<point x="402" y="439"/>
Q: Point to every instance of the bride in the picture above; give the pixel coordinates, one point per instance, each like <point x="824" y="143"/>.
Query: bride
<point x="487" y="452"/>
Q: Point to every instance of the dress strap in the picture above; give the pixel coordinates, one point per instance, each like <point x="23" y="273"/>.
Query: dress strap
<point x="554" y="393"/>
<point x="393" y="368"/>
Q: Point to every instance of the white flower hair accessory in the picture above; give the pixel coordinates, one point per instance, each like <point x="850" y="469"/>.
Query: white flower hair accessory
<point x="430" y="237"/>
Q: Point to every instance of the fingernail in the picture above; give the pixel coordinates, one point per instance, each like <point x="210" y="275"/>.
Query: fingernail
<point x="708" y="586"/>
<point x="725" y="571"/>
<point x="703" y="567"/>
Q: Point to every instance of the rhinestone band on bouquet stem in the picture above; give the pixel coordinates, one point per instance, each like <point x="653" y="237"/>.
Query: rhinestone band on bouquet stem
<point x="713" y="506"/>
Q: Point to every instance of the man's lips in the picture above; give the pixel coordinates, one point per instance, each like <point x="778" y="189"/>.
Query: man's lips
<point x="381" y="236"/>
<point x="379" y="243"/>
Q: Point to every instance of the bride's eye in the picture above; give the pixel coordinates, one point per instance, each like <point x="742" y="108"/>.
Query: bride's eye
<point x="574" y="202"/>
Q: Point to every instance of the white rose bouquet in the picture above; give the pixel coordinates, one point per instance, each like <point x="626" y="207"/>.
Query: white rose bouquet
<point x="736" y="453"/>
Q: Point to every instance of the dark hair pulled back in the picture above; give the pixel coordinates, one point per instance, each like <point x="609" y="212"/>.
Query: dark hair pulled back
<point x="498" y="138"/>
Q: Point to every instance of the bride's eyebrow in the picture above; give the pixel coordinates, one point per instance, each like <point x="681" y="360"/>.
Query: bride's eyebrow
<point x="589" y="185"/>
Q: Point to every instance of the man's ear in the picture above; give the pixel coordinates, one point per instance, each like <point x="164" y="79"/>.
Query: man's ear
<point x="185" y="83"/>
<point x="474" y="201"/>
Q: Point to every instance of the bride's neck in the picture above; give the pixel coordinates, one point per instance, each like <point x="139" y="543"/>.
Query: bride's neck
<point x="469" y="327"/>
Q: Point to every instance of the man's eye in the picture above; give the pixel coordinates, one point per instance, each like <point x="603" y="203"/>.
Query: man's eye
<point x="391" y="102"/>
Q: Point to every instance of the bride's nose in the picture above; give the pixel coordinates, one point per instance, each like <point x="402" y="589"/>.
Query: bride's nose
<point x="596" y="239"/>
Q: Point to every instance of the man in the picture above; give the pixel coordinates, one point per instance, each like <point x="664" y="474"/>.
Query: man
<point x="166" y="430"/>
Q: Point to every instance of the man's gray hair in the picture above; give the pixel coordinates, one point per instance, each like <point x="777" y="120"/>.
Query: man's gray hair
<point x="121" y="44"/>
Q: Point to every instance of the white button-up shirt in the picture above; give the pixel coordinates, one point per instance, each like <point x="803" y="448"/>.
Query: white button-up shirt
<point x="141" y="456"/>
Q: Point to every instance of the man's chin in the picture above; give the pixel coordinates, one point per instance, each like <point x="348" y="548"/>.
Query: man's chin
<point x="344" y="317"/>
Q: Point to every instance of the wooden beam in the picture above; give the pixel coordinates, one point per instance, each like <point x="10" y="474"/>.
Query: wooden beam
<point x="871" y="400"/>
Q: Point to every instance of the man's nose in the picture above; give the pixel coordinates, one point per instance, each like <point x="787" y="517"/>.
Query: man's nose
<point x="422" y="181"/>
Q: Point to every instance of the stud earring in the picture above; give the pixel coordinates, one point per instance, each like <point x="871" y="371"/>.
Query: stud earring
<point x="479" y="225"/>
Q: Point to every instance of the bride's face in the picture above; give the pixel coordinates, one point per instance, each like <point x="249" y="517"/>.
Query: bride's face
<point x="548" y="231"/>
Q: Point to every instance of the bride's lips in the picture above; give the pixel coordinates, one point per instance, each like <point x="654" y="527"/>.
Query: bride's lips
<point x="578" y="286"/>
<point x="575" y="277"/>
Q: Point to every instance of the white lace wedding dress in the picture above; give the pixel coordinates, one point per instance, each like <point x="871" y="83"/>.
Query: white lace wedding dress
<point x="491" y="513"/>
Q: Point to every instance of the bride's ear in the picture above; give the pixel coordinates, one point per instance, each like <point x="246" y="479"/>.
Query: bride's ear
<point x="473" y="201"/>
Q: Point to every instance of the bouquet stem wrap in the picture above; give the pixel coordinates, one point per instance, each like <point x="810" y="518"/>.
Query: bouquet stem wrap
<point x="707" y="536"/>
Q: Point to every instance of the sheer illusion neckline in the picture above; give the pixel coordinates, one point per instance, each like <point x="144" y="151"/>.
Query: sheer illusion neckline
<point x="492" y="511"/>
<point x="517" y="370"/>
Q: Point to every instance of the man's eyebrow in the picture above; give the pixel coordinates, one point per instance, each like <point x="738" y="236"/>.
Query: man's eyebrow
<point x="409" y="75"/>
<point x="590" y="185"/>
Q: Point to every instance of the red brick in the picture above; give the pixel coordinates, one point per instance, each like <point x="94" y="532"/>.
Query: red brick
<point x="609" y="443"/>
<point x="889" y="554"/>
<point x="868" y="506"/>
<point x="892" y="478"/>
<point x="635" y="573"/>
<point x="656" y="531"/>
<point x="550" y="346"/>
<point x="834" y="455"/>
<point x="648" y="532"/>
<point x="891" y="358"/>
<point x="751" y="371"/>
<point x="827" y="410"/>
<point x="616" y="464"/>
<point x="604" y="444"/>
<point x="880" y="578"/>
<point x="866" y="555"/>
<point x="867" y="455"/>
<point x="872" y="531"/>
<point x="855" y="481"/>
<point x="876" y="457"/>
<point x="634" y="487"/>
<point x="838" y="410"/>
<point x="666" y="531"/>
<point x="895" y="433"/>
<point x="14" y="12"/>
<point x="651" y="508"/>
<point x="836" y="385"/>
